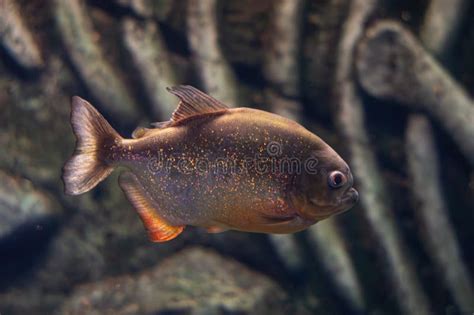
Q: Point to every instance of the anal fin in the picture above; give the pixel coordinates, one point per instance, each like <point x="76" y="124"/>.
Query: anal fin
<point x="158" y="229"/>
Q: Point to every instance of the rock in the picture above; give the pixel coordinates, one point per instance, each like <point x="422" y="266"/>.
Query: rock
<point x="194" y="281"/>
<point x="28" y="217"/>
<point x="23" y="208"/>
<point x="89" y="245"/>
<point x="35" y="133"/>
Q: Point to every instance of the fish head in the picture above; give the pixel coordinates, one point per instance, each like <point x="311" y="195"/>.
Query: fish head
<point x="326" y="188"/>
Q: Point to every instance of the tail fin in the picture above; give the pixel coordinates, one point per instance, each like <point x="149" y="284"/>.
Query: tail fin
<point x="87" y="167"/>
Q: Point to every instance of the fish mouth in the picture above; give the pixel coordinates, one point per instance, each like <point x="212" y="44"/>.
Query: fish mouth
<point x="347" y="201"/>
<point x="344" y="203"/>
<point x="350" y="197"/>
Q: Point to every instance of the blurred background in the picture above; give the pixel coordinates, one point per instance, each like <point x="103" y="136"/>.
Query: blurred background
<point x="388" y="84"/>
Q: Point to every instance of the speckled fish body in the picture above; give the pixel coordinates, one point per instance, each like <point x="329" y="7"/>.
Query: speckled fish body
<point x="187" y="169"/>
<point x="221" y="168"/>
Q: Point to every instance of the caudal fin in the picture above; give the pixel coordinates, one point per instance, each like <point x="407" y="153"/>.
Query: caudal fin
<point x="87" y="167"/>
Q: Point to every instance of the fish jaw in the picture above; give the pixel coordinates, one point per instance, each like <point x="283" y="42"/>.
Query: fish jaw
<point x="346" y="202"/>
<point x="350" y="198"/>
<point x="312" y="209"/>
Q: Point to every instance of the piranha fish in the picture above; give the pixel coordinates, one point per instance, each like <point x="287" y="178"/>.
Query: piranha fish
<point x="214" y="167"/>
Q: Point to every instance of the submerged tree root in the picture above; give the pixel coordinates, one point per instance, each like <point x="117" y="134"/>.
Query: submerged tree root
<point x="282" y="72"/>
<point x="374" y="198"/>
<point x="98" y="76"/>
<point x="150" y="57"/>
<point x="16" y="39"/>
<point x="213" y="69"/>
<point x="441" y="24"/>
<point x="392" y="64"/>
<point x="431" y="208"/>
<point x="331" y="250"/>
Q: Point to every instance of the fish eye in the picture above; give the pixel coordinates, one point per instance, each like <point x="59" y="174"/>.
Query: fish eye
<point x="336" y="179"/>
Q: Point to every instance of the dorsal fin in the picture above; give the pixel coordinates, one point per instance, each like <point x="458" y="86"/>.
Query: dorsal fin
<point x="193" y="102"/>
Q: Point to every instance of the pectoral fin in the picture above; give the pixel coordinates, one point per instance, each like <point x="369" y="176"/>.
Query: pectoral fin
<point x="158" y="229"/>
<point x="141" y="132"/>
<point x="216" y="229"/>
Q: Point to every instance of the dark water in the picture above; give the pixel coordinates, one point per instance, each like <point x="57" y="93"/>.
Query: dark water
<point x="89" y="254"/>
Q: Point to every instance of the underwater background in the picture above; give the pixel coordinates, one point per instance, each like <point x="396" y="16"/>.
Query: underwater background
<point x="388" y="84"/>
